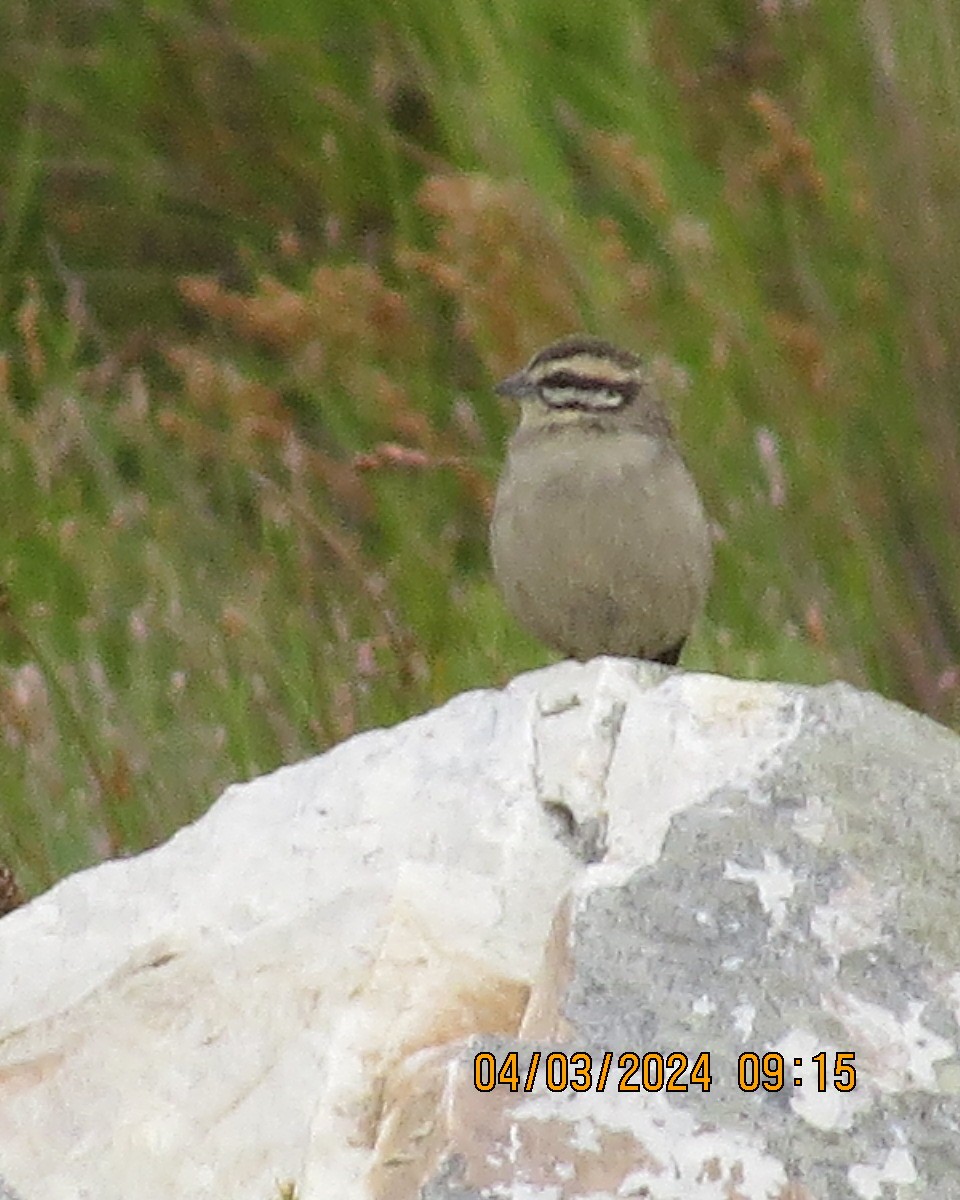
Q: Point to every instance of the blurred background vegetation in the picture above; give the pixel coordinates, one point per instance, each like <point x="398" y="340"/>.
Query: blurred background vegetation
<point x="260" y="263"/>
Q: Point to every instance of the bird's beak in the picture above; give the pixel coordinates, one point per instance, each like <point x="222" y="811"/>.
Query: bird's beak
<point x="518" y="386"/>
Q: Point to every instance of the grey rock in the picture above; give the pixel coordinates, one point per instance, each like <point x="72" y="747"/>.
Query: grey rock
<point x="7" y="1192"/>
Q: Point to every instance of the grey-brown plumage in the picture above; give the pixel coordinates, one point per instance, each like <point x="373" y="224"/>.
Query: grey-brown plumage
<point x="599" y="540"/>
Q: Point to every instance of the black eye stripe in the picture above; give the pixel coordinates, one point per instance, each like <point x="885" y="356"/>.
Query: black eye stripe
<point x="626" y="389"/>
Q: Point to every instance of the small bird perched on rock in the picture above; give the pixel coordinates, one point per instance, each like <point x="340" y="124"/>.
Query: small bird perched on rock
<point x="599" y="540"/>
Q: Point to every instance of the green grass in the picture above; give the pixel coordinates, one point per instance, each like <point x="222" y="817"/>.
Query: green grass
<point x="259" y="266"/>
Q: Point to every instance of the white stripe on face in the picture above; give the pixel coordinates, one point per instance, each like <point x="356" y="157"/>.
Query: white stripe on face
<point x="581" y="398"/>
<point x="585" y="381"/>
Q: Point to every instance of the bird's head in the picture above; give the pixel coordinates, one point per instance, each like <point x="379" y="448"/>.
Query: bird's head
<point x="585" y="380"/>
<point x="579" y="372"/>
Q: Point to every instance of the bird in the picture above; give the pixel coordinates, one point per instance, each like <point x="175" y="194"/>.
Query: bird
<point x="599" y="540"/>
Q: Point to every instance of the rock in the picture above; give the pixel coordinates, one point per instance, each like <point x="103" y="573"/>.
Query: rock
<point x="603" y="859"/>
<point x="7" y="1192"/>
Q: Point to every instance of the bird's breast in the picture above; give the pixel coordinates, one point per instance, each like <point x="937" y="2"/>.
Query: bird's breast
<point x="600" y="544"/>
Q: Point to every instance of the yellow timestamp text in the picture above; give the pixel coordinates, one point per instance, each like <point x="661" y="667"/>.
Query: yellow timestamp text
<point x="676" y="1071"/>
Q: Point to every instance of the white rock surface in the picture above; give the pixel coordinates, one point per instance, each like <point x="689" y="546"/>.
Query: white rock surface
<point x="599" y="857"/>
